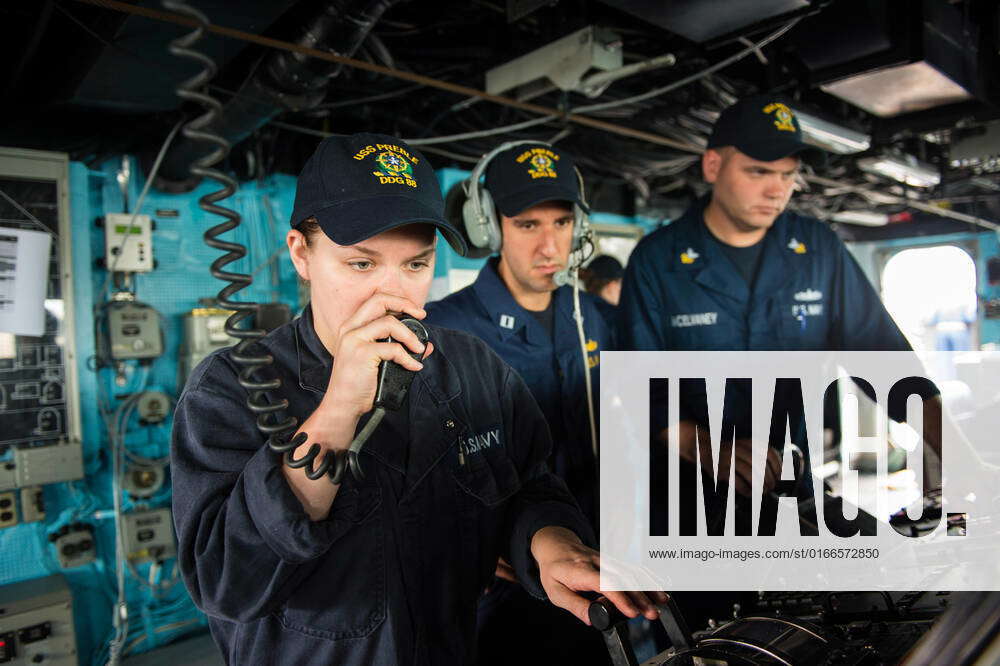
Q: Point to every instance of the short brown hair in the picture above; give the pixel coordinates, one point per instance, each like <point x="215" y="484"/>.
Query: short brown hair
<point x="592" y="283"/>
<point x="309" y="227"/>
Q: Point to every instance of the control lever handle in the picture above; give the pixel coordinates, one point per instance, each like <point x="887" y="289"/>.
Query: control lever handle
<point x="612" y="624"/>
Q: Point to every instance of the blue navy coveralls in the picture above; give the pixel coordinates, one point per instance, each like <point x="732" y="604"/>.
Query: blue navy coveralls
<point x="393" y="574"/>
<point x="552" y="366"/>
<point x="682" y="293"/>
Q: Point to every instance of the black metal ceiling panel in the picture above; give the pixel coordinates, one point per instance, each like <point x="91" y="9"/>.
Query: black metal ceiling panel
<point x="137" y="73"/>
<point x="702" y="20"/>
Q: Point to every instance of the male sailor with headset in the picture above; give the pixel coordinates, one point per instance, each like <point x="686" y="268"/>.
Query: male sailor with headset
<point x="532" y="212"/>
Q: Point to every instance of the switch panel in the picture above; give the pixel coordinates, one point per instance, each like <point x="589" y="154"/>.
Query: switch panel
<point x="128" y="243"/>
<point x="36" y="623"/>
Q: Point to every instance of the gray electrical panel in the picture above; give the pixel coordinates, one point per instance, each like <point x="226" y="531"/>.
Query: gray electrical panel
<point x="39" y="395"/>
<point x="38" y="465"/>
<point x="36" y="623"/>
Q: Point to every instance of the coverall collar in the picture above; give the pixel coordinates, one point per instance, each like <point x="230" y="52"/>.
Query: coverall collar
<point x="777" y="268"/>
<point x="507" y="314"/>
<point x="713" y="270"/>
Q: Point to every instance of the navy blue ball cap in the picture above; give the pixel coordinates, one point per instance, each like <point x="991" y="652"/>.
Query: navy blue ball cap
<point x="527" y="175"/>
<point x="359" y="185"/>
<point x="765" y="128"/>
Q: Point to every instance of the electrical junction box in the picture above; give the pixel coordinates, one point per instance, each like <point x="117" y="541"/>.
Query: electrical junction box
<point x="32" y="505"/>
<point x="134" y="331"/>
<point x="149" y="535"/>
<point x="75" y="545"/>
<point x="36" y="623"/>
<point x="153" y="407"/>
<point x="128" y="243"/>
<point x="204" y="332"/>
<point x="143" y="481"/>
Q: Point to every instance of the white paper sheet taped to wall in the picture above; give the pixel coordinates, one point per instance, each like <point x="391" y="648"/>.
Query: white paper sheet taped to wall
<point x="24" y="269"/>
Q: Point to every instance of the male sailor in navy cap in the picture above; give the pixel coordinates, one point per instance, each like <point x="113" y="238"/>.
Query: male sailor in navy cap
<point x="530" y="214"/>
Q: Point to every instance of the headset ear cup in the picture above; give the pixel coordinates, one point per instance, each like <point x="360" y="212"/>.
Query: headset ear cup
<point x="492" y="227"/>
<point x="470" y="220"/>
<point x="476" y="233"/>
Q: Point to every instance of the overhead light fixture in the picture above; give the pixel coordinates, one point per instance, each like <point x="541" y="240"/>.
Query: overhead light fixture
<point x="834" y="138"/>
<point x="560" y="64"/>
<point x="905" y="169"/>
<point x="863" y="217"/>
<point x="901" y="89"/>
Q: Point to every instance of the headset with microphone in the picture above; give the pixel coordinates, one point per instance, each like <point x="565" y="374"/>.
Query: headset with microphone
<point x="482" y="229"/>
<point x="482" y="226"/>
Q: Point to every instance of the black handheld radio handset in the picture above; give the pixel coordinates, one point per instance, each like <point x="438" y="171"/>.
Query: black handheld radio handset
<point x="393" y="379"/>
<point x="392" y="387"/>
<point x="390" y="393"/>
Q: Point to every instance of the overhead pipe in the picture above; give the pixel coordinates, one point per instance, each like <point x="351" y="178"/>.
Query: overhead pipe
<point x="413" y="77"/>
<point x="466" y="91"/>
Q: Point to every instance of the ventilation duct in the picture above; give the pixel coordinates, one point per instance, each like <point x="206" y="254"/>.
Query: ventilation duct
<point x="283" y="81"/>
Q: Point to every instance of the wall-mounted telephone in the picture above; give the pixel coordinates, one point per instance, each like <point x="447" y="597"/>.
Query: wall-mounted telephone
<point x="390" y="394"/>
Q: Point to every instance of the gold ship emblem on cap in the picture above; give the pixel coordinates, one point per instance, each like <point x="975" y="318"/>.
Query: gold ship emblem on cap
<point x="783" y="116"/>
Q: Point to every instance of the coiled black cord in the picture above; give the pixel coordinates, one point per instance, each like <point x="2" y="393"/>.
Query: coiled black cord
<point x="278" y="430"/>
